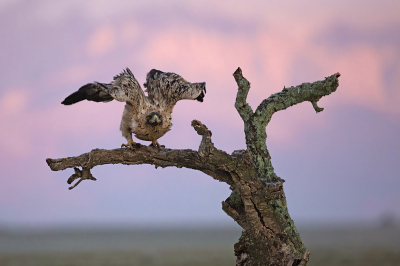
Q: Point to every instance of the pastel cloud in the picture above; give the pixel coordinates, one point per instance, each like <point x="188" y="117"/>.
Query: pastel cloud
<point x="362" y="81"/>
<point x="25" y="130"/>
<point x="13" y="136"/>
<point x="101" y="41"/>
<point x="79" y="73"/>
<point x="14" y="101"/>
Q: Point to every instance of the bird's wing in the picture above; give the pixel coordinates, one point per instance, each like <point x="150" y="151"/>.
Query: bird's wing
<point x="169" y="88"/>
<point x="124" y="88"/>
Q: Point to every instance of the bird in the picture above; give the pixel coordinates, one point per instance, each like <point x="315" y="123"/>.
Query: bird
<point x="149" y="116"/>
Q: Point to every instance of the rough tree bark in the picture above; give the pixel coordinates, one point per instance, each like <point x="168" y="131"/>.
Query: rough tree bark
<point x="257" y="202"/>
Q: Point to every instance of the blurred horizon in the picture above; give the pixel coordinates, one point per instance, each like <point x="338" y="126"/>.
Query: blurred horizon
<point x="329" y="245"/>
<point x="382" y="222"/>
<point x="340" y="165"/>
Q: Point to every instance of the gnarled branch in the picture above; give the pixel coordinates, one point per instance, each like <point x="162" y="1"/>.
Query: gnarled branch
<point x="255" y="123"/>
<point x="311" y="92"/>
<point x="201" y="160"/>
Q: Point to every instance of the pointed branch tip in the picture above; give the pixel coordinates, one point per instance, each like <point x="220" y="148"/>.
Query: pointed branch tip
<point x="200" y="128"/>
<point x="238" y="72"/>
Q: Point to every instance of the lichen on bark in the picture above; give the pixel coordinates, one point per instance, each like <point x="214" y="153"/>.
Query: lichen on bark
<point x="257" y="202"/>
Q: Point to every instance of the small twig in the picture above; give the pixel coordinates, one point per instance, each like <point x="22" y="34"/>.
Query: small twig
<point x="83" y="174"/>
<point x="305" y="259"/>
<point x="200" y="128"/>
<point x="77" y="183"/>
<point x="206" y="147"/>
<point x="78" y="174"/>
<point x="316" y="108"/>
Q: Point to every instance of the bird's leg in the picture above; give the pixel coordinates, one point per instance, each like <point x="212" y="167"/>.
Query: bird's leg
<point x="128" y="135"/>
<point x="154" y="143"/>
<point x="129" y="144"/>
<point x="130" y="141"/>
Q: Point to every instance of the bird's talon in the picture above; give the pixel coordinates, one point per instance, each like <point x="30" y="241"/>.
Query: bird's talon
<point x="157" y="145"/>
<point x="129" y="144"/>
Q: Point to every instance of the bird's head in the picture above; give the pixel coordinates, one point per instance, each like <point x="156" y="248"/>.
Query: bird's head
<point x="154" y="119"/>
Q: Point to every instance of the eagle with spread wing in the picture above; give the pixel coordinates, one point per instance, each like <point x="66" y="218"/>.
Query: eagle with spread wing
<point x="148" y="117"/>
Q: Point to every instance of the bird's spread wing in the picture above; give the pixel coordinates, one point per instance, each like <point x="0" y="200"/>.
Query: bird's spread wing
<point x="124" y="88"/>
<point x="169" y="88"/>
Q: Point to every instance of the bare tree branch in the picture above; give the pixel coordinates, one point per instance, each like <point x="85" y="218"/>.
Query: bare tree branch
<point x="202" y="160"/>
<point x="311" y="92"/>
<point x="255" y="123"/>
<point x="241" y="105"/>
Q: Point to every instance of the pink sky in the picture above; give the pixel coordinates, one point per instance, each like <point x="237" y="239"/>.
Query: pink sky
<point x="341" y="164"/>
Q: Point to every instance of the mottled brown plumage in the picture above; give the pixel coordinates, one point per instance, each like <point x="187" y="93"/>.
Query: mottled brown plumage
<point x="148" y="117"/>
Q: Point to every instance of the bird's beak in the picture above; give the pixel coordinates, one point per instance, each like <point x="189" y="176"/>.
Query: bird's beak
<point x="155" y="119"/>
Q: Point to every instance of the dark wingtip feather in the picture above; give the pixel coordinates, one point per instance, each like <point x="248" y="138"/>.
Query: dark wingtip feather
<point x="203" y="92"/>
<point x="127" y="70"/>
<point x="74" y="98"/>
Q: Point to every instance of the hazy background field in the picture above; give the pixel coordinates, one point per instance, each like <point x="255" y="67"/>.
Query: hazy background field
<point x="373" y="244"/>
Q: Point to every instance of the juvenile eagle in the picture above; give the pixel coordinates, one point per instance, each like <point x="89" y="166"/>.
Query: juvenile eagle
<point x="148" y="117"/>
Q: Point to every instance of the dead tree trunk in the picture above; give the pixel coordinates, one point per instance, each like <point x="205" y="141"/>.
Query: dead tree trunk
<point x="257" y="202"/>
